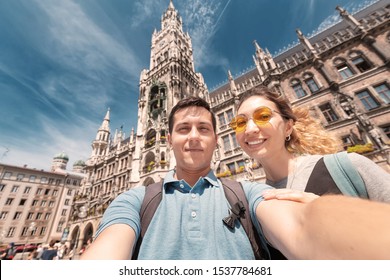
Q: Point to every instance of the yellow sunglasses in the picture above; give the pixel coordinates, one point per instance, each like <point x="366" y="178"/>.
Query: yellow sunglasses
<point x="261" y="116"/>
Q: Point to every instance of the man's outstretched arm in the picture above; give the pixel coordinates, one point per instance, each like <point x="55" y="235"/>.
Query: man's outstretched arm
<point x="113" y="243"/>
<point x="330" y="227"/>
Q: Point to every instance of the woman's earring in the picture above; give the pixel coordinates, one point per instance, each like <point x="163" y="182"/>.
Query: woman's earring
<point x="288" y="138"/>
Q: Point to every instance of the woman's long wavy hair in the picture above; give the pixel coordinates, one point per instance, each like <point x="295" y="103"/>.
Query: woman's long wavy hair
<point x="308" y="135"/>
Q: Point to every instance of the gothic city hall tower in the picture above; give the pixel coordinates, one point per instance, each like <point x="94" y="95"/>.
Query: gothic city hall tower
<point x="118" y="163"/>
<point x="171" y="77"/>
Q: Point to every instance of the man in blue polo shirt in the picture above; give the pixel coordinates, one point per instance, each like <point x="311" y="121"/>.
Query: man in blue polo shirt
<point x="188" y="222"/>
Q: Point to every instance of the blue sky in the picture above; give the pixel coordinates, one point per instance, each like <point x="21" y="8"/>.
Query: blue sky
<point x="63" y="63"/>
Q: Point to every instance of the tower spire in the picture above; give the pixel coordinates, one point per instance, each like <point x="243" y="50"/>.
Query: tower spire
<point x="100" y="144"/>
<point x="106" y="121"/>
<point x="306" y="42"/>
<point x="350" y="19"/>
<point x="171" y="5"/>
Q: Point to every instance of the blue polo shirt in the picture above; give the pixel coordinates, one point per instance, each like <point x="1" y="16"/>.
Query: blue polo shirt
<point x="188" y="222"/>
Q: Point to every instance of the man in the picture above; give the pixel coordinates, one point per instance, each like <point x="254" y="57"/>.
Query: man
<point x="188" y="223"/>
<point x="51" y="252"/>
<point x="9" y="252"/>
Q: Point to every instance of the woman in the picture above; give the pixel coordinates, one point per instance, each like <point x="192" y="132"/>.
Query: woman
<point x="289" y="144"/>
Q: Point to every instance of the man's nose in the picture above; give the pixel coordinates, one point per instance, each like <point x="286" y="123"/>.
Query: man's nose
<point x="194" y="133"/>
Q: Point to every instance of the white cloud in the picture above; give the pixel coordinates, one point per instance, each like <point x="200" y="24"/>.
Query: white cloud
<point x="333" y="19"/>
<point x="202" y="18"/>
<point x="78" y="42"/>
<point x="38" y="149"/>
<point x="146" y="10"/>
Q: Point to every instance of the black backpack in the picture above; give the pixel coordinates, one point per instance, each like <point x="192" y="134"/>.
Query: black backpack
<point x="234" y="194"/>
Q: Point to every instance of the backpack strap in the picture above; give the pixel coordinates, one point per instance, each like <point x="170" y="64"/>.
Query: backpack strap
<point x="345" y="175"/>
<point x="235" y="193"/>
<point x="152" y="199"/>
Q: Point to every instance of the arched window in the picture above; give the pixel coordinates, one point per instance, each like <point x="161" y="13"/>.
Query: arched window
<point x="298" y="89"/>
<point x="343" y="68"/>
<point x="360" y="61"/>
<point x="150" y="138"/>
<point x="150" y="162"/>
<point x="311" y="82"/>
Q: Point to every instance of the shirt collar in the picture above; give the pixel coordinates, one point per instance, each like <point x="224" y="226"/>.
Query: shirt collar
<point x="210" y="177"/>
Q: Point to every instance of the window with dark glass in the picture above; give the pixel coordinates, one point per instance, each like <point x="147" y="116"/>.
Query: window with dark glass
<point x="24" y="231"/>
<point x="232" y="167"/>
<point x="226" y="143"/>
<point x="344" y="71"/>
<point x="368" y="100"/>
<point x="3" y="215"/>
<point x="298" y="89"/>
<point x="361" y="64"/>
<point x="9" y="201"/>
<point x="221" y="118"/>
<point x="328" y="113"/>
<point x="17" y="215"/>
<point x="43" y="231"/>
<point x="386" y="130"/>
<point x="11" y="231"/>
<point x="229" y="114"/>
<point x="312" y="85"/>
<point x="234" y="140"/>
<point x="384" y="92"/>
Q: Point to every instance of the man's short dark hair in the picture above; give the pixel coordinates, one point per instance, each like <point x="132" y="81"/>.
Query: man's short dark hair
<point x="189" y="102"/>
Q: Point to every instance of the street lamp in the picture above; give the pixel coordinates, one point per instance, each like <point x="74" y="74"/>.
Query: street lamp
<point x="347" y="104"/>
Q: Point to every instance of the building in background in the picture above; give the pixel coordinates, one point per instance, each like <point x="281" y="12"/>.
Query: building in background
<point x="35" y="205"/>
<point x="341" y="74"/>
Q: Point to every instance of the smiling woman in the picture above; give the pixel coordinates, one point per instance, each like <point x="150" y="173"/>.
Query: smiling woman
<point x="290" y="145"/>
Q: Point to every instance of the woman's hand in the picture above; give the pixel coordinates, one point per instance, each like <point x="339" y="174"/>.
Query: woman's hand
<point x="289" y="194"/>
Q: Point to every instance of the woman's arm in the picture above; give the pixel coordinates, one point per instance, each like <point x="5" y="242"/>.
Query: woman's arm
<point x="330" y="227"/>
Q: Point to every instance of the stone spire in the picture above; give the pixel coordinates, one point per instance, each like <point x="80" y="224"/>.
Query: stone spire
<point x="265" y="64"/>
<point x="350" y="19"/>
<point x="306" y="43"/>
<point x="100" y="144"/>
